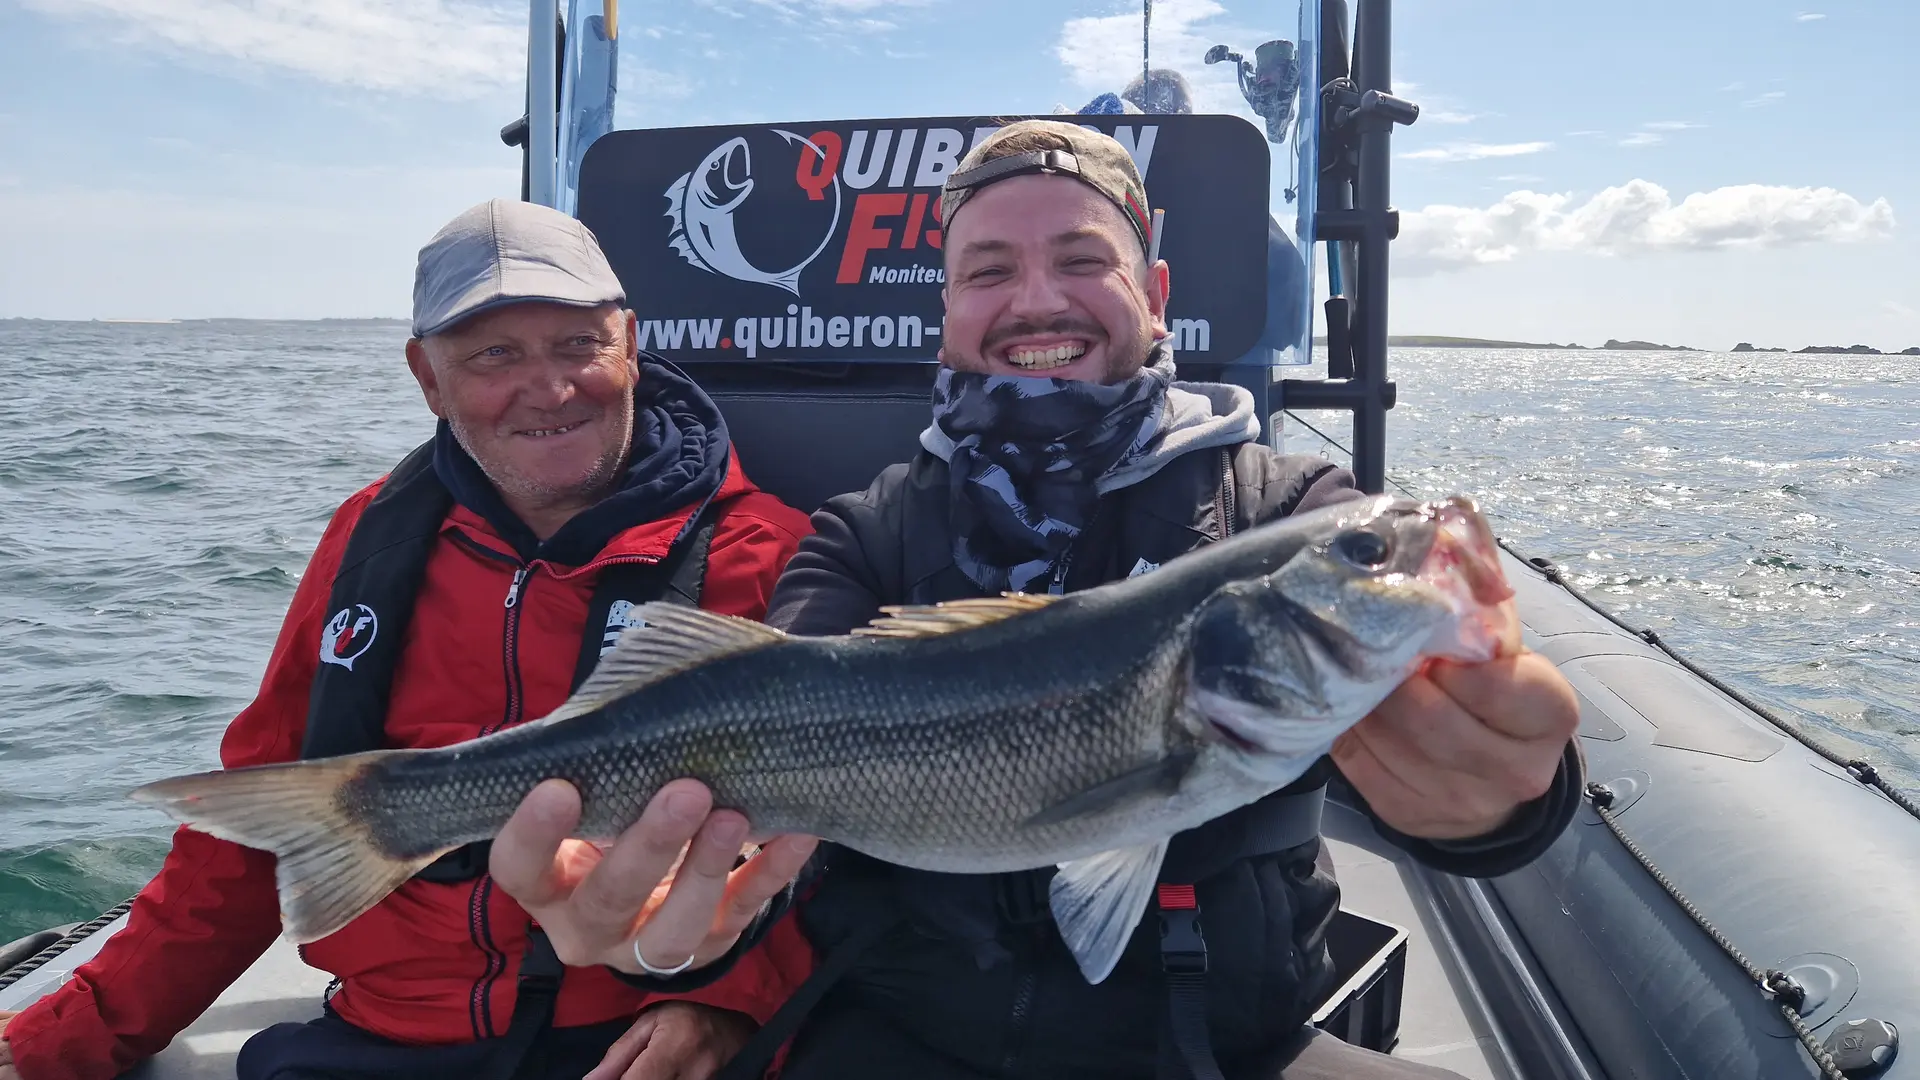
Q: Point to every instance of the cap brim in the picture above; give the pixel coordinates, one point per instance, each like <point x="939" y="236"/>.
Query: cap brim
<point x="525" y="282"/>
<point x="484" y="306"/>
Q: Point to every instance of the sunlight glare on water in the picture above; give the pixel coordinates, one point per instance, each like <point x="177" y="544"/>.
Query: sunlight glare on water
<point x="162" y="485"/>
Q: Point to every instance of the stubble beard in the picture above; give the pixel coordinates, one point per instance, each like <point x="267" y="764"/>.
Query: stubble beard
<point x="533" y="491"/>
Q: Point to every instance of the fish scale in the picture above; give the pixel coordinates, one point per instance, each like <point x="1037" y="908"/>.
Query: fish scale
<point x="975" y="737"/>
<point x="959" y="774"/>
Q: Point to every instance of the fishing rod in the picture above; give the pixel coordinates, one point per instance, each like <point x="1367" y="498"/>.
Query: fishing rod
<point x="1146" y="44"/>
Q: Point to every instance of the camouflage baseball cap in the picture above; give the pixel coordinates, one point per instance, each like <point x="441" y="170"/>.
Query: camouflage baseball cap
<point x="1091" y="157"/>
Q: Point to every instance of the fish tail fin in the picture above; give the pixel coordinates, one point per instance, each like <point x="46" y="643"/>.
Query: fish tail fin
<point x="790" y="280"/>
<point x="332" y="867"/>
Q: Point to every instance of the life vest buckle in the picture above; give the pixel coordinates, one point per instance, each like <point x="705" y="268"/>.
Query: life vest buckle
<point x="1183" y="949"/>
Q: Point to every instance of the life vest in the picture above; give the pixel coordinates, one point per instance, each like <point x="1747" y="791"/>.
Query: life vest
<point x="381" y="572"/>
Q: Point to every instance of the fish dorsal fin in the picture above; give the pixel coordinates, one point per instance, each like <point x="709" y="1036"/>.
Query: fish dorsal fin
<point x="671" y="638"/>
<point x="932" y="620"/>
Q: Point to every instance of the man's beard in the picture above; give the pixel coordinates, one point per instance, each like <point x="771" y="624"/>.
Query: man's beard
<point x="538" y="492"/>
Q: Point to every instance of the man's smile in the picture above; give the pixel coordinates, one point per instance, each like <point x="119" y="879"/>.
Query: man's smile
<point x="542" y="433"/>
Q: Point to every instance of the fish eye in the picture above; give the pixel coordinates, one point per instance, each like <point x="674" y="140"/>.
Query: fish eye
<point x="1367" y="550"/>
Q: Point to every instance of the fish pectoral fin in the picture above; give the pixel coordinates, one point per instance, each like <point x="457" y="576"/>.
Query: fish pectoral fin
<point x="331" y="867"/>
<point x="1097" y="901"/>
<point x="674" y="639"/>
<point x="1159" y="778"/>
<point x="932" y="620"/>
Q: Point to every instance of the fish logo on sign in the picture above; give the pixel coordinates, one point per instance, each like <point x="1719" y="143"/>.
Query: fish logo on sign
<point x="349" y="634"/>
<point x="702" y="204"/>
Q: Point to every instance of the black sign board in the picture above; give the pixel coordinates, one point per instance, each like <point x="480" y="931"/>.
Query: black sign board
<point x="821" y="241"/>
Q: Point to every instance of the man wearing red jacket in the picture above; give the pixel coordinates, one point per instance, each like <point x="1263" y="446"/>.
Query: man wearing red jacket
<point x="571" y="479"/>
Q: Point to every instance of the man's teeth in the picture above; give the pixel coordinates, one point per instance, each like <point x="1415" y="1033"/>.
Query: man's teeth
<point x="1041" y="359"/>
<point x="541" y="433"/>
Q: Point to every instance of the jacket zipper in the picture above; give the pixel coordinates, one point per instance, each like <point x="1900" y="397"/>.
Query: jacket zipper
<point x="510" y="659"/>
<point x="1227" y="507"/>
<point x="480" y="921"/>
<point x="510" y="649"/>
<point x="1058" y="586"/>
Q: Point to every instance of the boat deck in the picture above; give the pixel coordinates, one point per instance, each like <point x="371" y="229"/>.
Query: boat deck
<point x="1439" y="1024"/>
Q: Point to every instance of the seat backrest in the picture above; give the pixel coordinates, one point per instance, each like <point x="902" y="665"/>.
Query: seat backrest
<point x="795" y="270"/>
<point x="808" y="435"/>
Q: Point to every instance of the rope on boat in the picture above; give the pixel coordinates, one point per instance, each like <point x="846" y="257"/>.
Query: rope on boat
<point x="1777" y="986"/>
<point x="26" y="967"/>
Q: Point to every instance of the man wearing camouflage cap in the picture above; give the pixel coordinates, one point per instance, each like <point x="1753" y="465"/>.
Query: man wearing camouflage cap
<point x="1062" y="454"/>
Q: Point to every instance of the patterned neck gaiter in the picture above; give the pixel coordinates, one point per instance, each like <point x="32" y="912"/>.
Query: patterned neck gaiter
<point x="1027" y="456"/>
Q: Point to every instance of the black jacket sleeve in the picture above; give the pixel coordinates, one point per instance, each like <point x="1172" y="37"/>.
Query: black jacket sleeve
<point x="1525" y="837"/>
<point x="1286" y="484"/>
<point x="831" y="584"/>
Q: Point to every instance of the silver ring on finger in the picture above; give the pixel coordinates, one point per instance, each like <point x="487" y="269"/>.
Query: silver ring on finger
<point x="658" y="972"/>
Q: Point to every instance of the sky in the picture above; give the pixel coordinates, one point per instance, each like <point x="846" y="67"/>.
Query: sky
<point x="1698" y="173"/>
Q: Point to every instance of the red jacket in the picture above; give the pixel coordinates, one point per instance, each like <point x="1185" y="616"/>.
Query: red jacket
<point x="432" y="963"/>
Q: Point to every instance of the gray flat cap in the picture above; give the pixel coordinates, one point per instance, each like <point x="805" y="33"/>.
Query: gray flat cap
<point x="505" y="251"/>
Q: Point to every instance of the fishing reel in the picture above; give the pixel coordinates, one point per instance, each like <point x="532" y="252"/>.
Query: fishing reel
<point x="1270" y="82"/>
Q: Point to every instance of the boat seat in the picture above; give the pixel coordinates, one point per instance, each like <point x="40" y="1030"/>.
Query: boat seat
<point x="808" y="432"/>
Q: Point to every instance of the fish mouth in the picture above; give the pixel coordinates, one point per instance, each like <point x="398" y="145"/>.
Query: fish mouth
<point x="740" y="156"/>
<point x="1463" y="565"/>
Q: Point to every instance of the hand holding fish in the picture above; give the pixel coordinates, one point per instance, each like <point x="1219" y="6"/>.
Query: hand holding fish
<point x="631" y="900"/>
<point x="1455" y="750"/>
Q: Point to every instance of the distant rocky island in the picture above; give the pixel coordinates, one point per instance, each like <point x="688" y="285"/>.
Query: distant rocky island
<point x="1864" y="350"/>
<point x="1430" y="341"/>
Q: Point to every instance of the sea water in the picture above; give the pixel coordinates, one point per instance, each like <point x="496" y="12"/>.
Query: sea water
<point x="161" y="487"/>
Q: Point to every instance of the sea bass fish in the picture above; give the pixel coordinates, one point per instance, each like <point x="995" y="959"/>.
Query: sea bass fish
<point x="976" y="736"/>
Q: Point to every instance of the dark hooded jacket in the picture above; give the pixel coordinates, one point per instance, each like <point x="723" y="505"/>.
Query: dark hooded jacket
<point x="975" y="981"/>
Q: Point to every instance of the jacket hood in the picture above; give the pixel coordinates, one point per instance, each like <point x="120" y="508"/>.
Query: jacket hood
<point x="678" y="459"/>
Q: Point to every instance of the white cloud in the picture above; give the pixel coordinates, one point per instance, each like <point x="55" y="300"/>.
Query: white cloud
<point x="1898" y="309"/>
<point x="1103" y="52"/>
<point x="1767" y="98"/>
<point x="831" y="16"/>
<point x="1808" y="16"/>
<point x="1634" y="218"/>
<point x="1583" y="132"/>
<point x="1653" y="132"/>
<point x="444" y="48"/>
<point x="1520" y="178"/>
<point x="1448" y="116"/>
<point x="1733" y="86"/>
<point x="1476" y="151"/>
